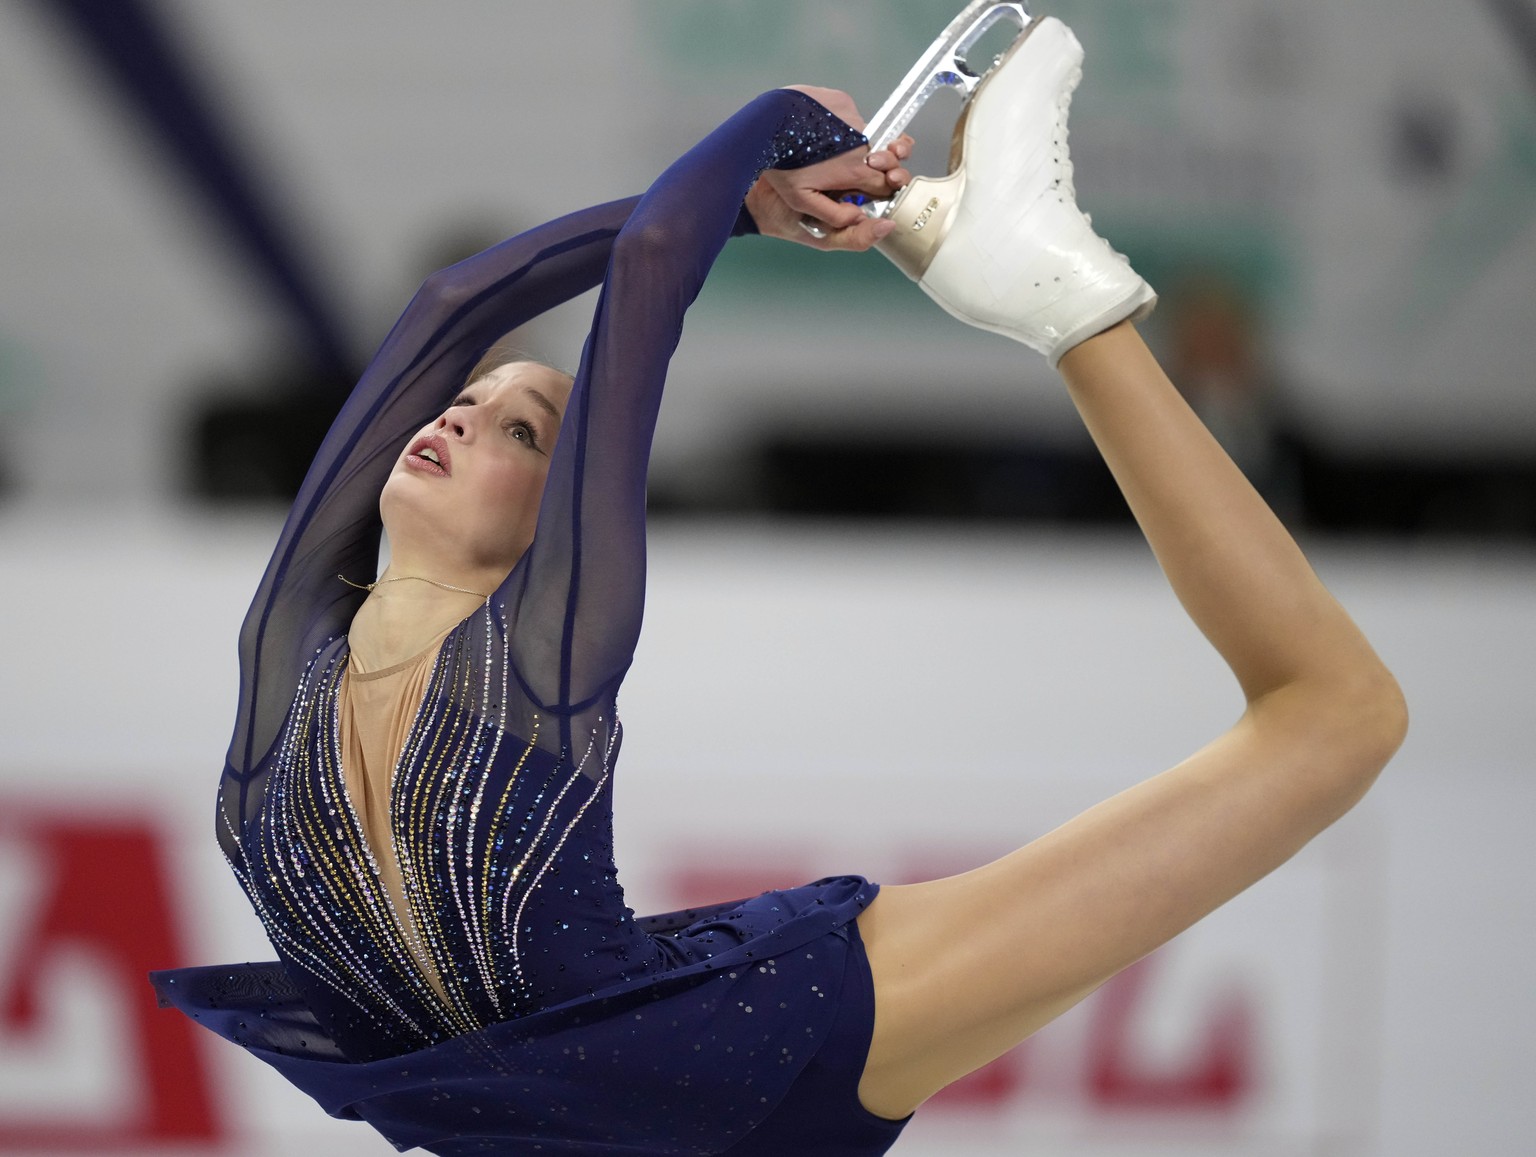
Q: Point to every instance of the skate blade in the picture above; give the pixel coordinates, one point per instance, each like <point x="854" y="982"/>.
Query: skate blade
<point x="943" y="65"/>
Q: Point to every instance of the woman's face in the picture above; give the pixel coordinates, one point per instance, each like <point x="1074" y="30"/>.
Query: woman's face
<point x="467" y="488"/>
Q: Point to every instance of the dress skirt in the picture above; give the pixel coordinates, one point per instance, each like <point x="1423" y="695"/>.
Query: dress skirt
<point x="752" y="1044"/>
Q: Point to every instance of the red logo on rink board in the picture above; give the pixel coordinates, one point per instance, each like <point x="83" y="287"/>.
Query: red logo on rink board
<point x="98" y="892"/>
<point x="1217" y="1076"/>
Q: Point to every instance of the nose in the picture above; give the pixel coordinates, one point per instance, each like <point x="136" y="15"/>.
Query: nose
<point x="454" y="423"/>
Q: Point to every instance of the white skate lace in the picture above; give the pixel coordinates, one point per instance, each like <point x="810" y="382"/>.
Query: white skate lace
<point x="1066" y="182"/>
<point x="1066" y="174"/>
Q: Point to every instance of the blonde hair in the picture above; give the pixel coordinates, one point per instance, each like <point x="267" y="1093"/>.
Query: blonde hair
<point x="505" y="351"/>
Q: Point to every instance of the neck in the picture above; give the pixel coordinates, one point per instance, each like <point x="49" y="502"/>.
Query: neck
<point x="398" y="619"/>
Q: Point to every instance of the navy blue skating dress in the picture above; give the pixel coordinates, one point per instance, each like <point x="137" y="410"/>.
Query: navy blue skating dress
<point x="563" y="1024"/>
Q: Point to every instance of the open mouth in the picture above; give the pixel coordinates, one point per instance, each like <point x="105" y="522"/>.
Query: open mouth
<point x="429" y="455"/>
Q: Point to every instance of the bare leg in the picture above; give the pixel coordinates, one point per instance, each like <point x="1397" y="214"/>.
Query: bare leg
<point x="967" y="967"/>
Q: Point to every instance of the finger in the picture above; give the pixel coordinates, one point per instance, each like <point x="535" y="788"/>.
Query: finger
<point x="893" y="173"/>
<point x="833" y="214"/>
<point x="891" y="154"/>
<point x="873" y="179"/>
<point x="857" y="238"/>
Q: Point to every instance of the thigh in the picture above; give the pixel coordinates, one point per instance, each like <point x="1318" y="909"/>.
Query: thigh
<point x="947" y="961"/>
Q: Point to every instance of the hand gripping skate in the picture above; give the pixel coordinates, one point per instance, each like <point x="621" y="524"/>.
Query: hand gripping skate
<point x="999" y="241"/>
<point x="943" y="65"/>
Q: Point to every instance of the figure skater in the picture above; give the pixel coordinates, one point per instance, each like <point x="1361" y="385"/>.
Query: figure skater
<point x="417" y="795"/>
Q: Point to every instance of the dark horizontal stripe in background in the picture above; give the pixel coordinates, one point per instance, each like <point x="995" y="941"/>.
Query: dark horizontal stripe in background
<point x="1310" y="489"/>
<point x="258" y="450"/>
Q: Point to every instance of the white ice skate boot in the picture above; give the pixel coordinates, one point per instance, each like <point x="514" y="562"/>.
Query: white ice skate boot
<point x="1000" y="242"/>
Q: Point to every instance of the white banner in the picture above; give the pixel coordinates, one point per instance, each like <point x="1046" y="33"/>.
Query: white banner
<point x="805" y="704"/>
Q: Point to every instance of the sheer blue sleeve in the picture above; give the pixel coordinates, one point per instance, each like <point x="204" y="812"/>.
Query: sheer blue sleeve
<point x="576" y="600"/>
<point x="571" y="608"/>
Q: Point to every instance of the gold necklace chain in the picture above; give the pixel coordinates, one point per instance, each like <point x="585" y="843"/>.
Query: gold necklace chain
<point x="411" y="578"/>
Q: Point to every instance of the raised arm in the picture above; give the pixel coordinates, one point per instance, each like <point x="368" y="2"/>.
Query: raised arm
<point x="575" y="601"/>
<point x="334" y="524"/>
<point x="577" y="595"/>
